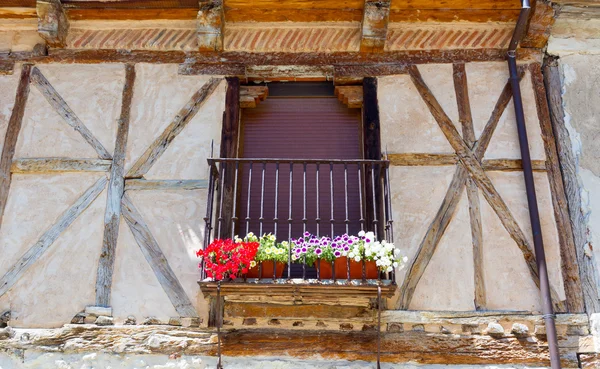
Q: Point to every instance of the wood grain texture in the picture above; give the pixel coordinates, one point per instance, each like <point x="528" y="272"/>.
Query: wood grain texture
<point x="157" y="260"/>
<point x="165" y="184"/>
<point x="45" y="165"/>
<point x="183" y="117"/>
<point x="351" y="96"/>
<point x="461" y="89"/>
<point x="63" y="109"/>
<point x="449" y="205"/>
<point x="568" y="169"/>
<point x="512" y="165"/>
<point x="374" y="25"/>
<point x="473" y="166"/>
<point x="53" y="23"/>
<point x="416" y="159"/>
<point x="47" y="239"/>
<point x="11" y="136"/>
<point x="112" y="214"/>
<point x="211" y="24"/>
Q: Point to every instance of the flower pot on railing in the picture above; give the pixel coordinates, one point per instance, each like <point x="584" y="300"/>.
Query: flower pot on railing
<point x="324" y="269"/>
<point x="356" y="269"/>
<point x="266" y="271"/>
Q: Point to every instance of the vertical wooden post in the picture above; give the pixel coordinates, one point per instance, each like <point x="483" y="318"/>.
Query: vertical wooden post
<point x="11" y="136"/>
<point x="372" y="151"/>
<point x="229" y="149"/>
<point x="565" y="169"/>
<point x="112" y="215"/>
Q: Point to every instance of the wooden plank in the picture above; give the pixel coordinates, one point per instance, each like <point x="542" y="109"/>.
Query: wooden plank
<point x="11" y="136"/>
<point x="63" y="109"/>
<point x="47" y="239"/>
<point x="292" y="15"/>
<point x="454" y="15"/>
<point x="211" y="25"/>
<point x="212" y="69"/>
<point x="472" y="165"/>
<point x="568" y="253"/>
<point x="568" y="165"/>
<point x="361" y="71"/>
<point x="230" y="132"/>
<point x="45" y="165"/>
<point x="512" y="165"/>
<point x="53" y="24"/>
<point x="112" y="214"/>
<point x="132" y="14"/>
<point x="417" y="159"/>
<point x="183" y="117"/>
<point x="372" y="151"/>
<point x="461" y="88"/>
<point x="157" y="260"/>
<point x="165" y="184"/>
<point x="449" y="204"/>
<point x="17" y="12"/>
<point x="374" y="25"/>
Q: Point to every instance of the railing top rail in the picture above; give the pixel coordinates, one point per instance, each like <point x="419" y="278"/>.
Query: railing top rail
<point x="297" y="161"/>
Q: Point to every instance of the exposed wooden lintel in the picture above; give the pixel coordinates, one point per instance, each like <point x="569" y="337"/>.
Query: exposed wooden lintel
<point x="165" y="184"/>
<point x="426" y="159"/>
<point x="211" y="25"/>
<point x="45" y="165"/>
<point x="374" y="25"/>
<point x="53" y="24"/>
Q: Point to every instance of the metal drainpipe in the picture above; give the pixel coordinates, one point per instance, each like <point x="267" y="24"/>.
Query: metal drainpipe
<point x="534" y="216"/>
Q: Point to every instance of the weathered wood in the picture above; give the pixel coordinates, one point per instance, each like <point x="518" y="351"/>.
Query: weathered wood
<point x="473" y="166"/>
<point x="511" y="165"/>
<point x="416" y="159"/>
<point x="47" y="239"/>
<point x="183" y="117"/>
<point x="53" y="24"/>
<point x="165" y="184"/>
<point x="11" y="136"/>
<point x="360" y="71"/>
<point x="461" y="88"/>
<point x="212" y="69"/>
<point x="7" y="68"/>
<point x="230" y="132"/>
<point x="351" y="96"/>
<point x="211" y="24"/>
<point x="449" y="204"/>
<point x="157" y="260"/>
<point x="374" y="25"/>
<point x="250" y="96"/>
<point x="112" y="214"/>
<point x="63" y="109"/>
<point x="372" y="151"/>
<point x="568" y="166"/>
<point x="44" y="165"/>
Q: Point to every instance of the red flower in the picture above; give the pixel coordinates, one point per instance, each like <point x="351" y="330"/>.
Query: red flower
<point x="226" y="259"/>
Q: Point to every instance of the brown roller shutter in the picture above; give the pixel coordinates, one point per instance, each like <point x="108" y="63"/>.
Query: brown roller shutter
<point x="300" y="128"/>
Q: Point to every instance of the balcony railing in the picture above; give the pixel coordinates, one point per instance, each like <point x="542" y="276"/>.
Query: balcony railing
<point x="288" y="197"/>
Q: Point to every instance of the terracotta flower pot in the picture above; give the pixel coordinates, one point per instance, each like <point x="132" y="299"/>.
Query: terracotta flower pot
<point x="341" y="269"/>
<point x="324" y="268"/>
<point x="267" y="270"/>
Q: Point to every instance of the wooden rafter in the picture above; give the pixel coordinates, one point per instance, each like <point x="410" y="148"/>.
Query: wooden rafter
<point x="250" y="96"/>
<point x="568" y="253"/>
<point x="374" y="25"/>
<point x="112" y="214"/>
<point x="464" y="113"/>
<point x="63" y="109"/>
<point x="183" y="117"/>
<point x="47" y="239"/>
<point x="11" y="136"/>
<point x="211" y="25"/>
<point x="157" y="260"/>
<point x="469" y="161"/>
<point x="53" y="24"/>
<point x="352" y="96"/>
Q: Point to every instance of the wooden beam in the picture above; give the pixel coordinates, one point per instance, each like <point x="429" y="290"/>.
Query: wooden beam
<point x="250" y="96"/>
<point x="47" y="239"/>
<point x="473" y="166"/>
<point x="211" y="25"/>
<point x="212" y="69"/>
<point x="53" y="24"/>
<point x="351" y="96"/>
<point x="425" y="159"/>
<point x="165" y="184"/>
<point x="7" y="68"/>
<point x="366" y="70"/>
<point x="461" y="89"/>
<point x="112" y="214"/>
<point x="568" y="254"/>
<point x="512" y="165"/>
<point x="183" y="117"/>
<point x="63" y="109"/>
<point x="157" y="260"/>
<point x="374" y="25"/>
<point x="230" y="132"/>
<point x="45" y="165"/>
<point x="11" y="136"/>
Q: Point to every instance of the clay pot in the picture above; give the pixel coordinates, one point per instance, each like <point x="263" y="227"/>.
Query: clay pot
<point x="341" y="269"/>
<point x="267" y="270"/>
<point x="324" y="268"/>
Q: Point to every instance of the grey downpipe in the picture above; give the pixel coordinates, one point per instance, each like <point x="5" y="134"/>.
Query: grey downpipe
<point x="534" y="216"/>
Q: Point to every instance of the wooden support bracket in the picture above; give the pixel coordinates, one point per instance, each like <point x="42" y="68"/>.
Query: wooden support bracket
<point x="211" y="23"/>
<point x="374" y="25"/>
<point x="250" y="96"/>
<point x="53" y="24"/>
<point x="352" y="96"/>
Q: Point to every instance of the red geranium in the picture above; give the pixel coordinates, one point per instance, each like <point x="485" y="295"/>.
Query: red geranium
<point x="227" y="259"/>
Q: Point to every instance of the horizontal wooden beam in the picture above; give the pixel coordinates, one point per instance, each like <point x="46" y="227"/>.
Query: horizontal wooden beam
<point x="43" y="165"/>
<point x="423" y="159"/>
<point x="165" y="184"/>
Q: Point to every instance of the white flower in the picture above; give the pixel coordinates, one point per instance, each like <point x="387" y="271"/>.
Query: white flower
<point x="361" y="233"/>
<point x="357" y="258"/>
<point x="395" y="264"/>
<point x="389" y="269"/>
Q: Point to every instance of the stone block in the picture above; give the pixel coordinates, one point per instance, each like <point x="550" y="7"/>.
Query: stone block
<point x="346" y="327"/>
<point x="520" y="330"/>
<point x="249" y="321"/>
<point x="130" y="320"/>
<point x="395" y="327"/>
<point x="98" y="311"/>
<point x="175" y="321"/>
<point x="79" y="318"/>
<point x="104" y="320"/>
<point x="151" y="321"/>
<point x="495" y="330"/>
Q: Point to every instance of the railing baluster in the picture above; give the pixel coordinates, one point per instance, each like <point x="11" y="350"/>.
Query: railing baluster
<point x="304" y="220"/>
<point x="275" y="219"/>
<point x="248" y="200"/>
<point x="360" y="197"/>
<point x="390" y="216"/>
<point x="318" y="219"/>
<point x="373" y="185"/>
<point x="290" y="220"/>
<point x="234" y="217"/>
<point x="347" y="221"/>
<point x="222" y="187"/>
<point x="208" y="219"/>
<point x="331" y="197"/>
<point x="262" y="199"/>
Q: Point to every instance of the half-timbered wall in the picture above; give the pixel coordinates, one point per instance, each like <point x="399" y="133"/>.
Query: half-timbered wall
<point x="57" y="228"/>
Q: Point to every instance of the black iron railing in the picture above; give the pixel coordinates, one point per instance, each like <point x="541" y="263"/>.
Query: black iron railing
<point x="288" y="197"/>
